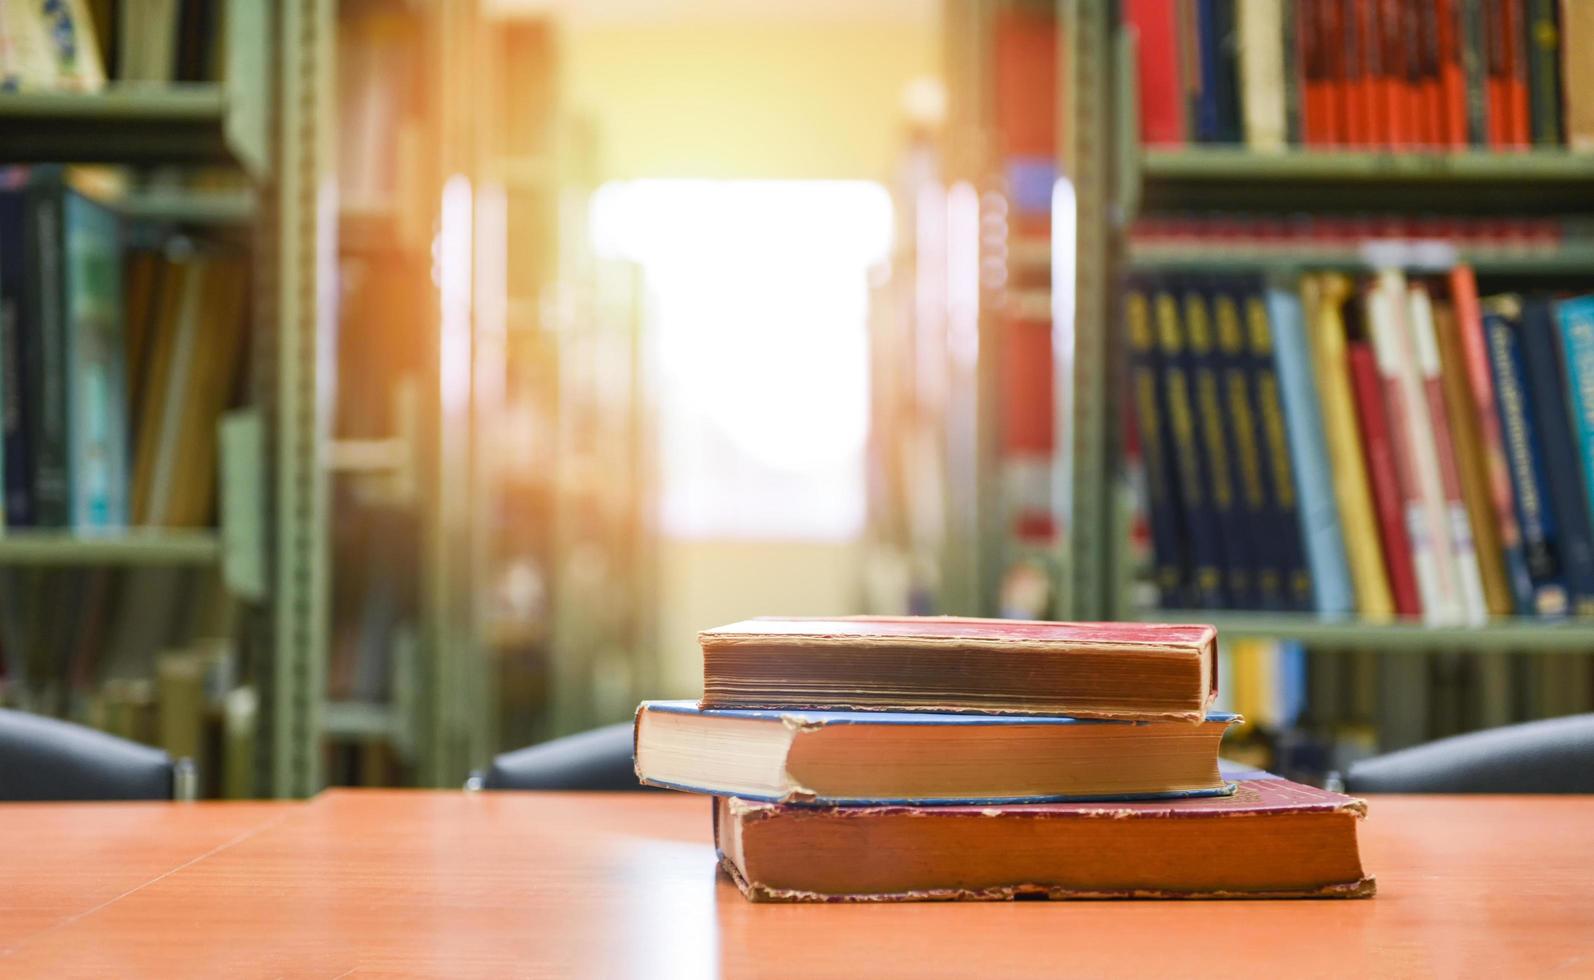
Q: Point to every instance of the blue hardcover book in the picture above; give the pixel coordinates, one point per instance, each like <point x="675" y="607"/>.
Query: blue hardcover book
<point x="1164" y="508"/>
<point x="884" y="757"/>
<point x="1206" y="546"/>
<point x="1216" y="437"/>
<point x="1575" y="321"/>
<point x="1205" y="112"/>
<point x="95" y="384"/>
<point x="1534" y="513"/>
<point x="1546" y="381"/>
<point x="17" y="481"/>
<point x="1319" y="532"/>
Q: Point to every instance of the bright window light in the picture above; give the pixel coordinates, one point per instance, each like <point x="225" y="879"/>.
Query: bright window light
<point x="758" y="295"/>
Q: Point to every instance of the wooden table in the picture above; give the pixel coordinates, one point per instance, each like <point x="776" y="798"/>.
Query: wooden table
<point x="589" y="885"/>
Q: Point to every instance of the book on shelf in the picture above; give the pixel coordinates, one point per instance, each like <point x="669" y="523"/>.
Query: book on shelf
<point x="1272" y="838"/>
<point x="1094" y="670"/>
<point x="80" y="45"/>
<point x="1436" y="441"/>
<point x="1385" y="74"/>
<point x="856" y="757"/>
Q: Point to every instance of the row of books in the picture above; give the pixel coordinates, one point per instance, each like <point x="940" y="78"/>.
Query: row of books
<point x="1503" y="74"/>
<point x="117" y="363"/>
<point x="902" y="759"/>
<point x="1370" y="232"/>
<point x="1383" y="447"/>
<point x="76" y="45"/>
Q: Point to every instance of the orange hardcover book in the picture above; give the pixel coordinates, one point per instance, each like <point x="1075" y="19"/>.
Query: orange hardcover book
<point x="1396" y="113"/>
<point x="1271" y="839"/>
<point x="1141" y="671"/>
<point x="1452" y="80"/>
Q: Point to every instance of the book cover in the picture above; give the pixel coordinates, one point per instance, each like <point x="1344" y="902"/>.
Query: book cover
<point x="1530" y="492"/>
<point x="1162" y="110"/>
<point x="1142" y="671"/>
<point x="1547" y="387"/>
<point x="1264" y="572"/>
<point x="1206" y="546"/>
<point x="879" y="758"/>
<point x="1577" y="73"/>
<point x="1470" y="464"/>
<point x="1163" y="504"/>
<point x="1294" y="840"/>
<point x="1480" y="386"/>
<point x="1383" y="473"/>
<point x="1351" y="488"/>
<point x="1465" y="576"/>
<point x="1282" y="500"/>
<point x="1318" y="508"/>
<point x="1261" y="57"/>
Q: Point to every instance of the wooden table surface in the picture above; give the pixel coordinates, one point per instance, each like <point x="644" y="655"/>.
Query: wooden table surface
<point x="363" y="883"/>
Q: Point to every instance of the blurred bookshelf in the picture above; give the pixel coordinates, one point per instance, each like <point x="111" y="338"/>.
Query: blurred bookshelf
<point x="133" y="547"/>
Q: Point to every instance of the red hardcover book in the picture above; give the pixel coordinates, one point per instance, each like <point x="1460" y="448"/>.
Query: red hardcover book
<point x="1356" y="124"/>
<point x="1370" y="104"/>
<point x="943" y="663"/>
<point x="1392" y="72"/>
<point x="1452" y="80"/>
<point x="1028" y="409"/>
<point x="1293" y="841"/>
<point x="1430" y="102"/>
<point x="1162" y="108"/>
<point x="1336" y="84"/>
<point x="1495" y="29"/>
<point x="1383" y="474"/>
<point x="1315" y="126"/>
<point x="1026" y="83"/>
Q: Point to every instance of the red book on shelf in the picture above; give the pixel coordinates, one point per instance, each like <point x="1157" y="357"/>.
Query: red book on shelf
<point x="1026" y="83"/>
<point x="1313" y="75"/>
<point x="1384" y="475"/>
<point x="1430" y="101"/>
<point x="1391" y="81"/>
<point x="1162" y="109"/>
<point x="1452" y="81"/>
<point x="1495" y="23"/>
<point x="1516" y="77"/>
<point x="1027" y="405"/>
<point x="1369" y="103"/>
<point x="1336" y="86"/>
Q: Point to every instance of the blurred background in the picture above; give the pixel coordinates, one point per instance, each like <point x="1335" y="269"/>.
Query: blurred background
<point x="392" y="383"/>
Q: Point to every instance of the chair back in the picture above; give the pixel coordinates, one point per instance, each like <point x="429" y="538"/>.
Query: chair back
<point x="47" y="759"/>
<point x="599" y="759"/>
<point x="1552" y="756"/>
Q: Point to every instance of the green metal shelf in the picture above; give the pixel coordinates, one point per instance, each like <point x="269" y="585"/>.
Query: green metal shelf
<point x="1513" y="635"/>
<point x="1220" y="177"/>
<point x="1571" y="259"/>
<point x="129" y="123"/>
<point x="198" y="207"/>
<point x="130" y="547"/>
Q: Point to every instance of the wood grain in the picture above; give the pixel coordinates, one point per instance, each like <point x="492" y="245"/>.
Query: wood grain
<point x="395" y="882"/>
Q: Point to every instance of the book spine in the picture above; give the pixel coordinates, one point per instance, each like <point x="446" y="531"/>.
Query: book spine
<point x="1283" y="522"/>
<point x="1289" y="59"/>
<point x="1262" y="88"/>
<point x="1452" y="80"/>
<point x="1474" y="69"/>
<point x="1471" y="464"/>
<point x="51" y="483"/>
<point x="1244" y="419"/>
<point x="1349" y="472"/>
<point x="1162" y="503"/>
<point x="1370" y="99"/>
<point x="95" y="355"/>
<point x="1209" y="126"/>
<point x="1214" y="427"/>
<point x="1412" y="57"/>
<point x="1518" y="133"/>
<point x="1403" y="397"/>
<point x="1309" y="66"/>
<point x="1577" y="73"/>
<point x="1544" y="81"/>
<point x="1466" y="577"/>
<point x="1521" y="444"/>
<point x="1383" y="471"/>
<point x="1575" y="322"/>
<point x="1335" y="81"/>
<point x="1548" y="389"/>
<point x="1357" y="125"/>
<point x="1308" y="447"/>
<point x="1230" y="127"/>
<point x="1161" y="92"/>
<point x="1480" y="385"/>
<point x="1392" y="72"/>
<point x="1206" y="546"/>
<point x="18" y="481"/>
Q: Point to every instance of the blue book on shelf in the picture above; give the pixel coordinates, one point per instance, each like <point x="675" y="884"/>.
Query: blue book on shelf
<point x="1215" y="433"/>
<point x="1575" y="321"/>
<point x="837" y="758"/>
<point x="17" y="482"/>
<point x="1319" y="512"/>
<point x="95" y="382"/>
<point x="1029" y="184"/>
<point x="1540" y="542"/>
<point x="1164" y="507"/>
<point x="1541" y="357"/>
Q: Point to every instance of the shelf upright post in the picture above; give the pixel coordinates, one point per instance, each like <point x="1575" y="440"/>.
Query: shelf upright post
<point x="1090" y="391"/>
<point x="304" y="206"/>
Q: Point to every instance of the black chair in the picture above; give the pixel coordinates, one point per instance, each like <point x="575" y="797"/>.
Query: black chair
<point x="46" y="759"/>
<point x="595" y="760"/>
<point x="1553" y="756"/>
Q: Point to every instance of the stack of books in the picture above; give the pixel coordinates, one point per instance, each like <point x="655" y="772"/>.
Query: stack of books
<point x="876" y="759"/>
